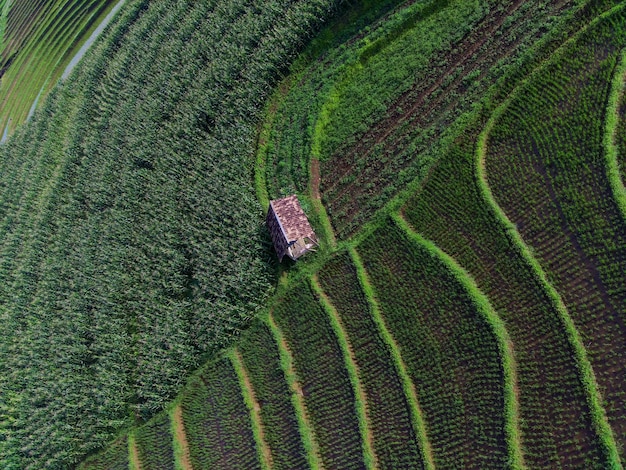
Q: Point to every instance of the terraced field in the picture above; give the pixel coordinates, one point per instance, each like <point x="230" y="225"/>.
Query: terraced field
<point x="464" y="163"/>
<point x="38" y="41"/>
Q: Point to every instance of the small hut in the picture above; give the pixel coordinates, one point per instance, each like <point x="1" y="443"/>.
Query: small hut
<point x="290" y="229"/>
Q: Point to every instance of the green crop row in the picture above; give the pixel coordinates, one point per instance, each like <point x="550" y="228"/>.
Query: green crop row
<point x="319" y="364"/>
<point x="217" y="421"/>
<point x="620" y="129"/>
<point x="451" y="211"/>
<point x="115" y="457"/>
<point x="395" y="442"/>
<point x="548" y="173"/>
<point x="131" y="244"/>
<point x="155" y="443"/>
<point x="280" y="427"/>
<point x="450" y="351"/>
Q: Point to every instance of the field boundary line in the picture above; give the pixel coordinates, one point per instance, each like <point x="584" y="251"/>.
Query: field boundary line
<point x="316" y="201"/>
<point x="505" y="344"/>
<point x="419" y="425"/>
<point x="307" y="433"/>
<point x="134" y="462"/>
<point x="367" y="439"/>
<point x="181" y="446"/>
<point x="602" y="428"/>
<point x="612" y="120"/>
<point x="265" y="454"/>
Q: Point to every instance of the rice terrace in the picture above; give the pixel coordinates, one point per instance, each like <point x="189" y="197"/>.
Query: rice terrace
<point x="312" y="234"/>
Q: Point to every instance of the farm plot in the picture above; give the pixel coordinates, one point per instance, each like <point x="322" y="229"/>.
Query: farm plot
<point x="122" y="202"/>
<point x="546" y="166"/>
<point x="280" y="426"/>
<point x="319" y="365"/>
<point x="115" y="457"/>
<point x="395" y="441"/>
<point x="39" y="40"/>
<point x="217" y="421"/>
<point x="155" y="444"/>
<point x="362" y="170"/>
<point x="450" y="351"/>
<point x="555" y="418"/>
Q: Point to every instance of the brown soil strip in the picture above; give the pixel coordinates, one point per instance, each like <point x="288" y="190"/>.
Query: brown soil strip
<point x="256" y="409"/>
<point x="315" y="178"/>
<point x="304" y="423"/>
<point x="352" y="365"/>
<point x="181" y="438"/>
<point x="135" y="462"/>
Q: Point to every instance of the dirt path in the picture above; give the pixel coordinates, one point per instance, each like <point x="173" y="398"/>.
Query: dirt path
<point x="248" y="391"/>
<point x="304" y="423"/>
<point x="181" y="438"/>
<point x="354" y="373"/>
<point x="315" y="178"/>
<point x="135" y="462"/>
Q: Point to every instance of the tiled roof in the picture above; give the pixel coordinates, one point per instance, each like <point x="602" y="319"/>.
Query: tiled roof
<point x="292" y="218"/>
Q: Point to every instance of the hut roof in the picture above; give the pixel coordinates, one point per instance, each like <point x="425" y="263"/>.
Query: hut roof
<point x="288" y="225"/>
<point x="292" y="218"/>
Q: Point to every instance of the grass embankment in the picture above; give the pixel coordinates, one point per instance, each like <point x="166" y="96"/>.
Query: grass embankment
<point x="130" y="241"/>
<point x="507" y="355"/>
<point x="450" y="352"/>
<point x="399" y="437"/>
<point x="304" y="422"/>
<point x="37" y="51"/>
<point x="361" y="400"/>
<point x="557" y="192"/>
<point x="614" y="122"/>
<point x="265" y="455"/>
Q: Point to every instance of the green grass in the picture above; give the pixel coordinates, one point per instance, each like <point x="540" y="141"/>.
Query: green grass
<point x="564" y="205"/>
<point x="427" y="331"/>
<point x="449" y="349"/>
<point x="261" y="358"/>
<point x="37" y="52"/>
<point x="391" y="423"/>
<point x="319" y="364"/>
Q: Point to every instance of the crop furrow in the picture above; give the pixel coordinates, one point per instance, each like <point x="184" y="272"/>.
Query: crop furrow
<point x="555" y="421"/>
<point x="451" y="354"/>
<point x="279" y="418"/>
<point x="579" y="233"/>
<point x="326" y="387"/>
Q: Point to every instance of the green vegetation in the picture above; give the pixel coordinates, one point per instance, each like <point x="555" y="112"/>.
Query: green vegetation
<point x="511" y="405"/>
<point x="319" y="365"/>
<point x="38" y="41"/>
<point x="556" y="190"/>
<point x="461" y="163"/>
<point x="612" y="134"/>
<point x="129" y="231"/>
<point x="217" y="421"/>
<point x="280" y="427"/>
<point x="451" y="353"/>
<point x="394" y="437"/>
<point x="154" y="442"/>
<point x="115" y="457"/>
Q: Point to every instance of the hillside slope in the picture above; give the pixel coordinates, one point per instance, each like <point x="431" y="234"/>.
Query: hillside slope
<point x="460" y="160"/>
